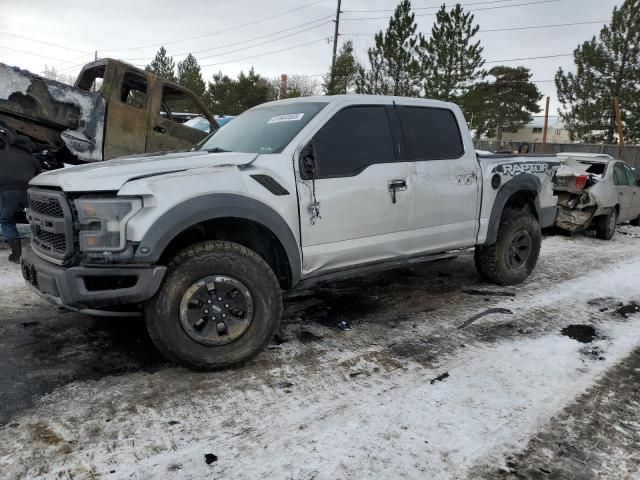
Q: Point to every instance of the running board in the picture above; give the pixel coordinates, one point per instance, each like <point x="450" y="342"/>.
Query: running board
<point x="376" y="267"/>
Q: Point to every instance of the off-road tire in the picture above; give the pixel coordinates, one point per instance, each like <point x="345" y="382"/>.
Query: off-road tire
<point x="606" y="225"/>
<point x="162" y="312"/>
<point x="491" y="260"/>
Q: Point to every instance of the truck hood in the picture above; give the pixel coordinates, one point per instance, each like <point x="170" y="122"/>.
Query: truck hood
<point x="113" y="174"/>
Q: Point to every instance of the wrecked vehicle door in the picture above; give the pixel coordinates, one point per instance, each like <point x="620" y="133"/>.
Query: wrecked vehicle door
<point x="627" y="187"/>
<point x="129" y="109"/>
<point x="113" y="109"/>
<point x="166" y="131"/>
<point x="595" y="192"/>
<point x="634" y="183"/>
<point x="624" y="191"/>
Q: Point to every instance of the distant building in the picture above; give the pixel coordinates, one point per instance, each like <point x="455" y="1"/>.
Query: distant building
<point x="532" y="132"/>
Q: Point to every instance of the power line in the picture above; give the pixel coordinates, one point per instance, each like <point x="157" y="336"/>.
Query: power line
<point x="57" y="45"/>
<point x="428" y="8"/>
<point x="266" y="35"/>
<point x="543" y="26"/>
<point x="235" y="27"/>
<point x="530" y="27"/>
<point x="324" y="39"/>
<point x="530" y="58"/>
<point x="472" y="10"/>
<point x="240" y="43"/>
<point x="34" y="54"/>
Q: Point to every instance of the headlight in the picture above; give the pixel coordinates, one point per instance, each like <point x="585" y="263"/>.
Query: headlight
<point x="105" y="220"/>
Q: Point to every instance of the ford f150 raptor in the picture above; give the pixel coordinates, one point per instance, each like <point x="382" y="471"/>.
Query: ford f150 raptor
<point x="202" y="243"/>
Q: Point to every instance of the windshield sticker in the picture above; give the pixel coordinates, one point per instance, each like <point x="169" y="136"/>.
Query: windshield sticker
<point x="290" y="117"/>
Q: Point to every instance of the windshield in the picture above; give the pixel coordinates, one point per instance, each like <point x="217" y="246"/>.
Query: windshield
<point x="267" y="129"/>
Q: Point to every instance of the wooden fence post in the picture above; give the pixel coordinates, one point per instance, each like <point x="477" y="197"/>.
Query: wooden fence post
<point x="546" y="125"/>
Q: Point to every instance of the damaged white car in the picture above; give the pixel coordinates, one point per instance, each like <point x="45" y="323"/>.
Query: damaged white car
<point x="596" y="191"/>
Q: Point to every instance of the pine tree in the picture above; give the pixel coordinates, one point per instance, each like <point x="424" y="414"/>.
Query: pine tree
<point x="505" y="104"/>
<point x="342" y="77"/>
<point x="394" y="67"/>
<point x="190" y="75"/>
<point x="451" y="59"/>
<point x="162" y="65"/>
<point x="227" y="96"/>
<point x="373" y="81"/>
<point x="607" y="66"/>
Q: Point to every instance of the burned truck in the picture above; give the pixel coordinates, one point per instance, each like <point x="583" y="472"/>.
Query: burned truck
<point x="114" y="109"/>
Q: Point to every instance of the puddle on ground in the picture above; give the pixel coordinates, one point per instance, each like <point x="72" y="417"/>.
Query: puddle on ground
<point x="329" y="308"/>
<point x="626" y="310"/>
<point x="605" y="304"/>
<point x="580" y="333"/>
<point x="305" y="336"/>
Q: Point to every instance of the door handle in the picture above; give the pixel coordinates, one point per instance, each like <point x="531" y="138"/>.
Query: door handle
<point x="395" y="186"/>
<point x="160" y="129"/>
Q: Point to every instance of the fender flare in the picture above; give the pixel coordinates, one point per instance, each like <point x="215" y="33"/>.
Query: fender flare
<point x="209" y="207"/>
<point x="524" y="182"/>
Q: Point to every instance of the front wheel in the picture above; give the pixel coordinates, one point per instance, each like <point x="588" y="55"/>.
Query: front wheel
<point x="513" y="257"/>
<point x="219" y="305"/>
<point x="606" y="225"/>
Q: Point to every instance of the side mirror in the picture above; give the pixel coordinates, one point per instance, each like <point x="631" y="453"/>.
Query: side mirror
<point x="307" y="162"/>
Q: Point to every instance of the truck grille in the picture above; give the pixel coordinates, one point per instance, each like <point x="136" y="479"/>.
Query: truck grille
<point x="51" y="223"/>
<point x="49" y="209"/>
<point x="52" y="242"/>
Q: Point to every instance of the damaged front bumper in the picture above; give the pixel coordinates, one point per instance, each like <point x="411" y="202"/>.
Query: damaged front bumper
<point x="91" y="290"/>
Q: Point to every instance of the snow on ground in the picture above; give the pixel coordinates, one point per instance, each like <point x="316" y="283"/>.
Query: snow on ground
<point x="12" y="284"/>
<point x="362" y="404"/>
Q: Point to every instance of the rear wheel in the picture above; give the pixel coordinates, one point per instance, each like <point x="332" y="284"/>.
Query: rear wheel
<point x="514" y="255"/>
<point x="220" y="304"/>
<point x="606" y="225"/>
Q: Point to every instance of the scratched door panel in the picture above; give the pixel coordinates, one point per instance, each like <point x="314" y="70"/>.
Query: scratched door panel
<point x="359" y="217"/>
<point x="444" y="178"/>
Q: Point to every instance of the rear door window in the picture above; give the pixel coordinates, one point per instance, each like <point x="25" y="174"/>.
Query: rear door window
<point x="632" y="181"/>
<point x="619" y="175"/>
<point x="353" y="139"/>
<point x="430" y="133"/>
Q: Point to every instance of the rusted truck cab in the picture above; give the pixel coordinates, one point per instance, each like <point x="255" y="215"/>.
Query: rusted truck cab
<point x="114" y="109"/>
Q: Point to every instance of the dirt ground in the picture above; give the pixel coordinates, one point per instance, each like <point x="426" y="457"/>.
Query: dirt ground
<point x="440" y="376"/>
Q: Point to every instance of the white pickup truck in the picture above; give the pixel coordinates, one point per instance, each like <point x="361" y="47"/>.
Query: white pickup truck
<point x="202" y="243"/>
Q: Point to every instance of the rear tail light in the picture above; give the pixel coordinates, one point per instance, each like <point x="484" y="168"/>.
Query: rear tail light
<point x="581" y="181"/>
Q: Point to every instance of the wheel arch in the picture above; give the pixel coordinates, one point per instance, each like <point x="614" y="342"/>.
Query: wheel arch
<point x="520" y="192"/>
<point x="229" y="217"/>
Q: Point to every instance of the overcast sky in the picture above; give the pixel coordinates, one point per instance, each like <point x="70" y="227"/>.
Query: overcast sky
<point x="119" y="28"/>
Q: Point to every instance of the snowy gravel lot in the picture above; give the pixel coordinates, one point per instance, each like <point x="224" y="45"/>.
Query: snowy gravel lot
<point x="545" y="385"/>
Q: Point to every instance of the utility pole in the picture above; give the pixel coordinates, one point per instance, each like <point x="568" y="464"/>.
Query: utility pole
<point x="616" y="108"/>
<point x="546" y="126"/>
<point x="283" y="86"/>
<point x="336" y="34"/>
